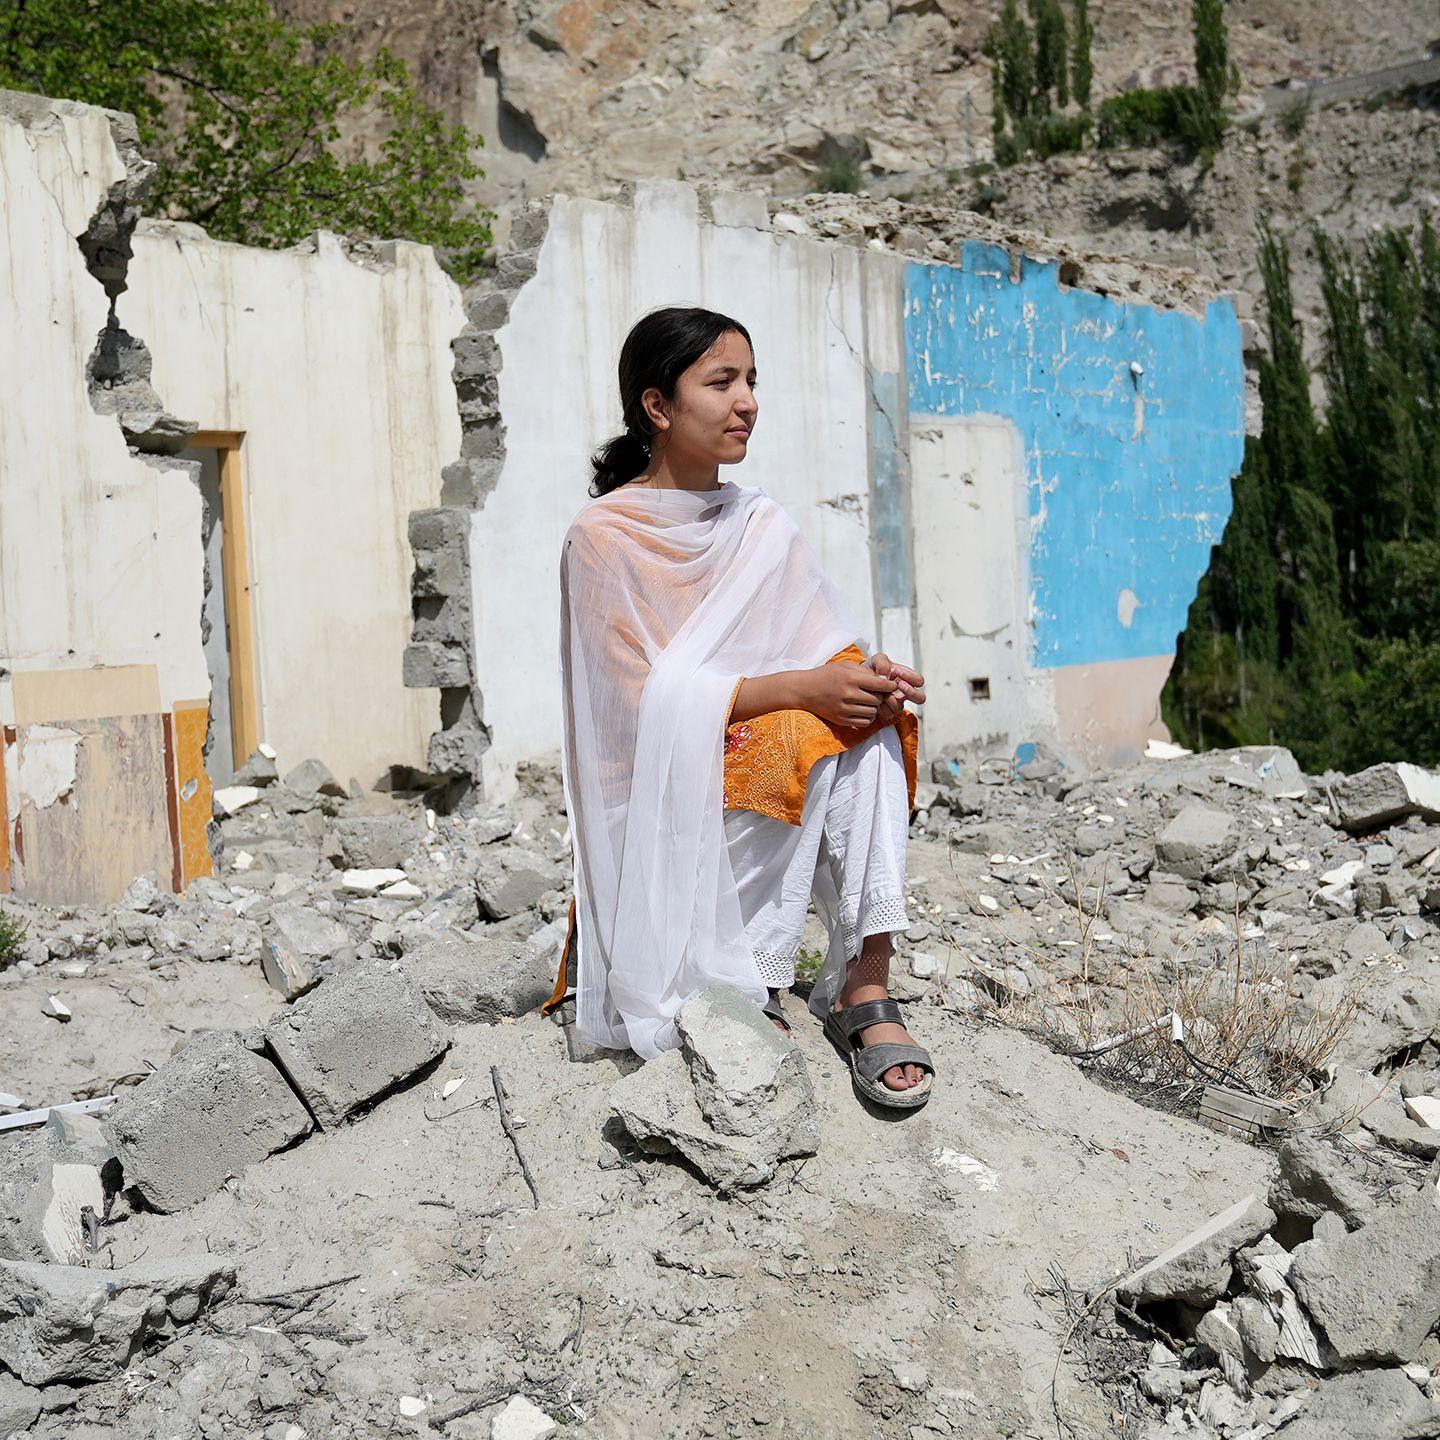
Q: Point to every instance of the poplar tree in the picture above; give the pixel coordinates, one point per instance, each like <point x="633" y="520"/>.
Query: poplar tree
<point x="1081" y="69"/>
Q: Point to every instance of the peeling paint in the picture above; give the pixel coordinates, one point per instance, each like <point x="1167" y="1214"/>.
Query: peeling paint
<point x="47" y="764"/>
<point x="1126" y="604"/>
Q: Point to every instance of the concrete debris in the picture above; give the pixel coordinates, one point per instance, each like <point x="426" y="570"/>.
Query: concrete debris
<point x="310" y="779"/>
<point x="72" y="1323"/>
<point x="231" y="799"/>
<point x="370" y="882"/>
<point x="1375" y="1404"/>
<point x="1376" y="1291"/>
<point x="373" y="842"/>
<point x="258" y="771"/>
<point x="205" y="1115"/>
<point x="479" y="981"/>
<point x="1195" y="840"/>
<point x="44" y="1184"/>
<point x="734" y="1100"/>
<point x="510" y="879"/>
<point x="299" y="941"/>
<point x="20" y="1405"/>
<point x="354" y="1037"/>
<point x="1313" y="1179"/>
<point x="1198" y="1268"/>
<point x="1384" y="793"/>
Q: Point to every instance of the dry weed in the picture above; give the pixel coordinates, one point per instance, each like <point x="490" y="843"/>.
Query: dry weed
<point x="1241" y="1022"/>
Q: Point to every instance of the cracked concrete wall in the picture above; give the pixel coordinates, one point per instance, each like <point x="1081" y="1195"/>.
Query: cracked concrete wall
<point x="334" y="361"/>
<point x="101" y="574"/>
<point x="918" y="444"/>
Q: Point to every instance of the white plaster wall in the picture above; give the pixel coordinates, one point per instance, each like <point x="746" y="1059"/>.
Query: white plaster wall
<point x="600" y="267"/>
<point x="100" y="558"/>
<point x="968" y="492"/>
<point x="338" y="373"/>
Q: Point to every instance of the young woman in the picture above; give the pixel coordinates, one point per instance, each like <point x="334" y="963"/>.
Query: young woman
<point x="729" y="751"/>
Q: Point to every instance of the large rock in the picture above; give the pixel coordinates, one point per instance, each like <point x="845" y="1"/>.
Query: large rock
<point x="478" y="980"/>
<point x="509" y="879"/>
<point x="1195" y="840"/>
<point x="353" y="1037"/>
<point x="42" y="1190"/>
<point x="1383" y="793"/>
<point x="1376" y="1291"/>
<point x="735" y="1099"/>
<point x="1393" y="1011"/>
<point x="1198" y="1268"/>
<point x="206" y="1114"/>
<point x="1366" y="1405"/>
<point x="72" y="1323"/>
<point x="1313" y="1178"/>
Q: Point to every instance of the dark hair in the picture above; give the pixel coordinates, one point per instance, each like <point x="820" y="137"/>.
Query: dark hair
<point x="659" y="347"/>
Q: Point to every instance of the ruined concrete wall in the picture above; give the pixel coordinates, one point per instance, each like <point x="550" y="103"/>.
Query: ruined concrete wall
<point x="101" y="574"/>
<point x="1013" y="467"/>
<point x="334" y="363"/>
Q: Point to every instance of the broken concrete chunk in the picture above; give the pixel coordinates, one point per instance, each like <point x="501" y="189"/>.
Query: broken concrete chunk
<point x="479" y="980"/>
<point x="353" y="1037"/>
<point x="298" y="941"/>
<point x="771" y="1096"/>
<point x="1314" y="1178"/>
<point x="42" y="1189"/>
<point x="1265" y="1268"/>
<point x="522" y="1420"/>
<point x="1376" y="1291"/>
<point x="746" y="1075"/>
<point x="1389" y="1122"/>
<point x="1195" y="840"/>
<point x="230" y="799"/>
<point x="1258" y="1328"/>
<point x="374" y="842"/>
<point x="19" y="1405"/>
<point x="489" y="823"/>
<point x="1383" y="793"/>
<point x="509" y="879"/>
<point x="370" y="882"/>
<point x="310" y="779"/>
<point x="259" y="770"/>
<point x="72" y="1323"/>
<point x="205" y="1115"/>
<point x="1198" y="1268"/>
<point x="1373" y="1404"/>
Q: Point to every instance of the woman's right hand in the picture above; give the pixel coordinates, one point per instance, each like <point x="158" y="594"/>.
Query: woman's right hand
<point x="844" y="694"/>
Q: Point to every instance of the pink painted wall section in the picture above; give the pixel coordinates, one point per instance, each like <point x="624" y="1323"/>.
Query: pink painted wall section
<point x="1107" y="711"/>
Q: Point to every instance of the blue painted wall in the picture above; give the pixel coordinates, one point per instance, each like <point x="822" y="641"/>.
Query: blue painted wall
<point x="1109" y="509"/>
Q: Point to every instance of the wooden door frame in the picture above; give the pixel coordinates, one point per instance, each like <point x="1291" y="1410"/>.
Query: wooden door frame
<point x="239" y="606"/>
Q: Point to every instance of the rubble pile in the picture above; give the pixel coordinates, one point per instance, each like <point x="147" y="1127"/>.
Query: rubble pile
<point x="317" y="1086"/>
<point x="1317" y="1306"/>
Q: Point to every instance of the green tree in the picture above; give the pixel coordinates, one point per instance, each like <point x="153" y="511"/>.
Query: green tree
<point x="245" y="112"/>
<point x="1212" y="67"/>
<point x="1082" y="70"/>
<point x="1052" y="81"/>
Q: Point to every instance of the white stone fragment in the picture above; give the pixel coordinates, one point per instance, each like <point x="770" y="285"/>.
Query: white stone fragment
<point x="242" y="861"/>
<point x="981" y="1174"/>
<point x="370" y="882"/>
<point x="230" y="798"/>
<point x="451" y="1086"/>
<point x="522" y="1420"/>
<point x="1164" y="750"/>
<point x="411" y="1406"/>
<point x="268" y="751"/>
<point x="56" y="1009"/>
<point x="403" y="890"/>
<point x="1424" y="1110"/>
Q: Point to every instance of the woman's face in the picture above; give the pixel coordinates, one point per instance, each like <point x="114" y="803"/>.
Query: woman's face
<point x="713" y="413"/>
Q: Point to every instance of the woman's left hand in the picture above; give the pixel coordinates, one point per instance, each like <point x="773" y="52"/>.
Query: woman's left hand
<point x="909" y="685"/>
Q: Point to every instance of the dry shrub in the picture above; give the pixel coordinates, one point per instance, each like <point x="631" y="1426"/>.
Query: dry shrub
<point x="1243" y="1024"/>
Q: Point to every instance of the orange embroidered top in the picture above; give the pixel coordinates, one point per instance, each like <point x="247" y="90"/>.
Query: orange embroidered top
<point x="768" y="758"/>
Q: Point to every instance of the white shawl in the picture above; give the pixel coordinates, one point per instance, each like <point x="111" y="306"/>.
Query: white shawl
<point x="668" y="598"/>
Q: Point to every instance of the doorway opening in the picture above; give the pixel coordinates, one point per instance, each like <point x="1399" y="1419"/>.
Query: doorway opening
<point x="229" y="619"/>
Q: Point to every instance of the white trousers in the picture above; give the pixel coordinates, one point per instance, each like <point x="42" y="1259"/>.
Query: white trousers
<point x="847" y="854"/>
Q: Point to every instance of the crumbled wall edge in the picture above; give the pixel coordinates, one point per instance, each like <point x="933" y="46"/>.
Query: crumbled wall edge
<point x="441" y="654"/>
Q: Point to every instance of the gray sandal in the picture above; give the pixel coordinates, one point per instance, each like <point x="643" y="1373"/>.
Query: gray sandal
<point x="869" y="1062"/>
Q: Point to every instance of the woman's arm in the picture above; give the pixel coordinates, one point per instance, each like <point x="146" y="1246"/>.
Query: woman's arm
<point x="840" y="692"/>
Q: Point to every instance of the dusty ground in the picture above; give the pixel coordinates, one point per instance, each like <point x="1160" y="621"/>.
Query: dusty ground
<point x="799" y="1309"/>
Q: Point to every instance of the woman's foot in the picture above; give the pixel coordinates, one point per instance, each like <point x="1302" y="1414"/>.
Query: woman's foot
<point x="868" y="978"/>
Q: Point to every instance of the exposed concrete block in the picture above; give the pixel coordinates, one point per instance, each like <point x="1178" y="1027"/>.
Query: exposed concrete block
<point x="509" y="880"/>
<point x="206" y="1114"/>
<point x="375" y="842"/>
<point x="477" y="980"/>
<point x="297" y="941"/>
<point x="1198" y="1268"/>
<point x="260" y="769"/>
<point x="739" y="209"/>
<point x="438" y="528"/>
<point x="440" y="572"/>
<point x="1383" y="793"/>
<point x="1195" y="840"/>
<point x="432" y="666"/>
<point x="73" y="1323"/>
<point x="1375" y="1404"/>
<point x="1376" y="1291"/>
<point x="441" y="619"/>
<point x="353" y="1037"/>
